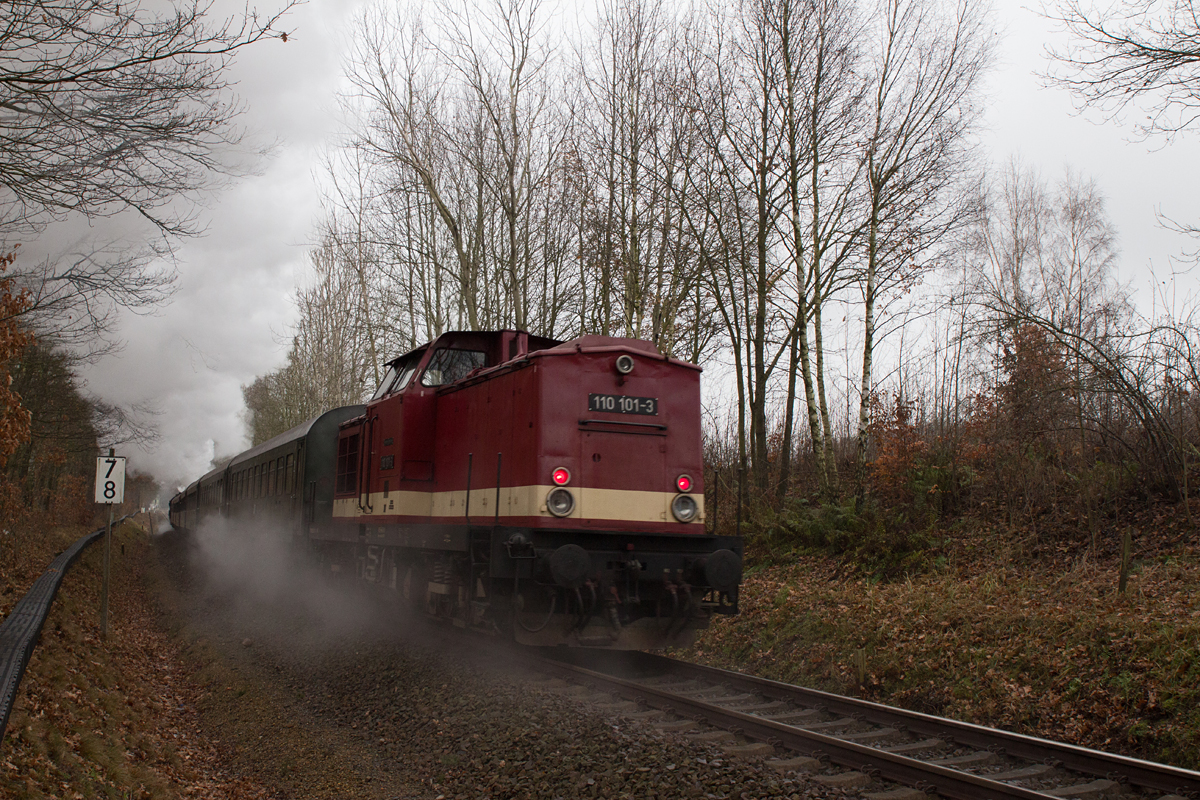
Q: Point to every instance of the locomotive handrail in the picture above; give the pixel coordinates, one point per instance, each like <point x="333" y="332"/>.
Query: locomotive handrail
<point x="657" y="425"/>
<point x="21" y="628"/>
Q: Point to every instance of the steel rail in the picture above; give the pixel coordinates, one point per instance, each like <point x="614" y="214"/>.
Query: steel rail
<point x="1078" y="759"/>
<point x="950" y="783"/>
<point x="946" y="782"/>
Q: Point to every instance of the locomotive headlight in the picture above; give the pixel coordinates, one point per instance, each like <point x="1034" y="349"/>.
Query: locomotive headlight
<point x="624" y="364"/>
<point x="561" y="476"/>
<point x="684" y="483"/>
<point x="560" y="502"/>
<point x="684" y="507"/>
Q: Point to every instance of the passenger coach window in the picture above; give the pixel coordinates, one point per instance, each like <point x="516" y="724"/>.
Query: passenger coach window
<point x="448" y="366"/>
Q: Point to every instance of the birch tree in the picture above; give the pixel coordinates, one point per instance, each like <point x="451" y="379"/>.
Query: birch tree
<point x="738" y="115"/>
<point x="925" y="102"/>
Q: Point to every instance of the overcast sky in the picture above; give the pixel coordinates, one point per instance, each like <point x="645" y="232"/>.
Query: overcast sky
<point x="228" y="320"/>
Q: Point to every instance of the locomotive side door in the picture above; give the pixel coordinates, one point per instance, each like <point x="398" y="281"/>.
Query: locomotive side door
<point x="388" y="434"/>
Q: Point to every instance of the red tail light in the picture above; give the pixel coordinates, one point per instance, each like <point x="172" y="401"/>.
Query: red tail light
<point x="561" y="476"/>
<point x="684" y="483"/>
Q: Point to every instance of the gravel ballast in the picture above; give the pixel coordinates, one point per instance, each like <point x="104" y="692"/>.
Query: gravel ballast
<point x="316" y="691"/>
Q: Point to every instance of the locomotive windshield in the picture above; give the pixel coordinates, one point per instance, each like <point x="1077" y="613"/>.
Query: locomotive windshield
<point x="388" y="379"/>
<point x="398" y="375"/>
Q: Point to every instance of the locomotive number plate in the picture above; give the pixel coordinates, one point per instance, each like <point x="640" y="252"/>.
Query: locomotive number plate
<point x="621" y="404"/>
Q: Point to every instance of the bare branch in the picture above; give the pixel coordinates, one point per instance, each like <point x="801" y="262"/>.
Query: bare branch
<point x="1134" y="55"/>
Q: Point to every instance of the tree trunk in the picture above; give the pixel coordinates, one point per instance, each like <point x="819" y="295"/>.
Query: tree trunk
<point x="785" y="457"/>
<point x="866" y="390"/>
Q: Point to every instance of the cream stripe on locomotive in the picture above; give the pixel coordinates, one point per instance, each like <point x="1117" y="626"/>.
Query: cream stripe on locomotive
<point x="519" y="501"/>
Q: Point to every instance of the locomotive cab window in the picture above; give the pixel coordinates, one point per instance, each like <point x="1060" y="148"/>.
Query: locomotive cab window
<point x="448" y="366"/>
<point x="407" y="370"/>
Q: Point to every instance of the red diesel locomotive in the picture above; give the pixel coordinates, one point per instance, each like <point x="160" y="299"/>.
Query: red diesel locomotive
<point x="544" y="490"/>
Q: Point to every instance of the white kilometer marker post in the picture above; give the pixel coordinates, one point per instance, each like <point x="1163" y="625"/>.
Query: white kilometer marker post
<point x="110" y="488"/>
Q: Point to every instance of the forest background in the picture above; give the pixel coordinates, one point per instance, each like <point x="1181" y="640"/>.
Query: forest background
<point x="790" y="192"/>
<point x="771" y="190"/>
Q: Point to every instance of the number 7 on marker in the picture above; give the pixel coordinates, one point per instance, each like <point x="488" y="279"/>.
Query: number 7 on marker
<point x="112" y="464"/>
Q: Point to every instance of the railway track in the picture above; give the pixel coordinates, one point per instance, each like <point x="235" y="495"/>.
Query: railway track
<point x="882" y="752"/>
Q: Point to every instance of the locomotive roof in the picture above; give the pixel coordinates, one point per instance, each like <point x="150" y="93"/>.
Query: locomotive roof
<point x="592" y="343"/>
<point x="493" y="337"/>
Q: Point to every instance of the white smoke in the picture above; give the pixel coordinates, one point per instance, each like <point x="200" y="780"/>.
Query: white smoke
<point x="267" y="581"/>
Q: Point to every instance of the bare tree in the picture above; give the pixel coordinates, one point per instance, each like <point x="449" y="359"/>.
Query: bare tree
<point x="738" y="115"/>
<point x="499" y="51"/>
<point x="73" y="296"/>
<point x="1134" y="53"/>
<point x="637" y="136"/>
<point x="405" y="127"/>
<point x="830" y="125"/>
<point x="924" y="101"/>
<point x="1049" y="252"/>
<point x="459" y="118"/>
<point x="108" y="108"/>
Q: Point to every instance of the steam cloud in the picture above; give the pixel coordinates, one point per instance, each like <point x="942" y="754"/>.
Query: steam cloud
<point x="255" y="571"/>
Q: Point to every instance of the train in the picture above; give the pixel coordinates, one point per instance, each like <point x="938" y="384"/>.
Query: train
<point x="549" y="492"/>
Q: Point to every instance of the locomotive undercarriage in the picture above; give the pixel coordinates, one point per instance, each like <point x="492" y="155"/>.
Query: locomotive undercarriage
<point x="618" y="590"/>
